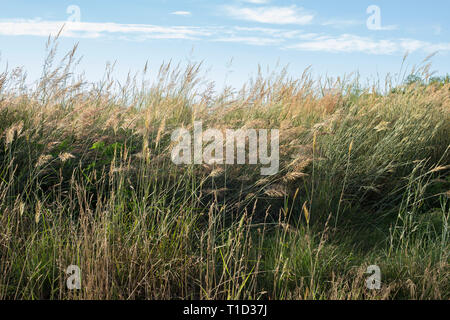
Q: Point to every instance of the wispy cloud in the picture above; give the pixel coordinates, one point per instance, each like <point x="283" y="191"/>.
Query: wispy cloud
<point x="348" y="43"/>
<point x="255" y="36"/>
<point x="273" y="32"/>
<point x="181" y="13"/>
<point x="96" y="30"/>
<point x="255" y="41"/>
<point x="388" y="28"/>
<point x="256" y="1"/>
<point x="340" y="23"/>
<point x="271" y="15"/>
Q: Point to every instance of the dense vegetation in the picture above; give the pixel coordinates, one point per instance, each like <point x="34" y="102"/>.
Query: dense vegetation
<point x="86" y="178"/>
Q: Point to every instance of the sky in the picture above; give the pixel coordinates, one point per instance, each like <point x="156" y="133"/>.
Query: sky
<point x="231" y="37"/>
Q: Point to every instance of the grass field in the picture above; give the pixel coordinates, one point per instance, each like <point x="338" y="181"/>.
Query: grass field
<point x="86" y="179"/>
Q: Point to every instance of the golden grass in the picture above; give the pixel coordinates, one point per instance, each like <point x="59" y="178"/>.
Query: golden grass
<point x="86" y="179"/>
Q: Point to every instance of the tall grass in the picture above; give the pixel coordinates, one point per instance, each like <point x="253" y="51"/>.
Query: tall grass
<point x="86" y="178"/>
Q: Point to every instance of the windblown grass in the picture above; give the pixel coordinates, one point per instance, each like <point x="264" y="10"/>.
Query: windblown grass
<point x="86" y="178"/>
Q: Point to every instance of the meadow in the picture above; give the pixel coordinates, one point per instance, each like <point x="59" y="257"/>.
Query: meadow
<point x="86" y="179"/>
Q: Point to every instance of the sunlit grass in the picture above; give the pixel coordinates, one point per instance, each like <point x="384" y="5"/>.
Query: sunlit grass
<point x="86" y="178"/>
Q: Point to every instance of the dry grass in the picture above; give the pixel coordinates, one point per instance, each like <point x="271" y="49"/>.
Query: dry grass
<point x="86" y="179"/>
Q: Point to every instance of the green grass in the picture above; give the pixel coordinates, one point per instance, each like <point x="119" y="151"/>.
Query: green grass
<point x="86" y="178"/>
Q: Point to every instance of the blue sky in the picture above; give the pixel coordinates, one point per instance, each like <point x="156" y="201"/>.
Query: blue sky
<point x="334" y="37"/>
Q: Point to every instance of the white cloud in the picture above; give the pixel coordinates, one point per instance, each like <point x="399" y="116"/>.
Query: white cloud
<point x="280" y="37"/>
<point x="258" y="36"/>
<point x="348" y="43"/>
<point x="257" y="1"/>
<point x="388" y="28"/>
<point x="342" y="23"/>
<point x="181" y="13"/>
<point x="96" y="30"/>
<point x="255" y="41"/>
<point x="412" y="45"/>
<point x="277" y="33"/>
<point x="272" y="15"/>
